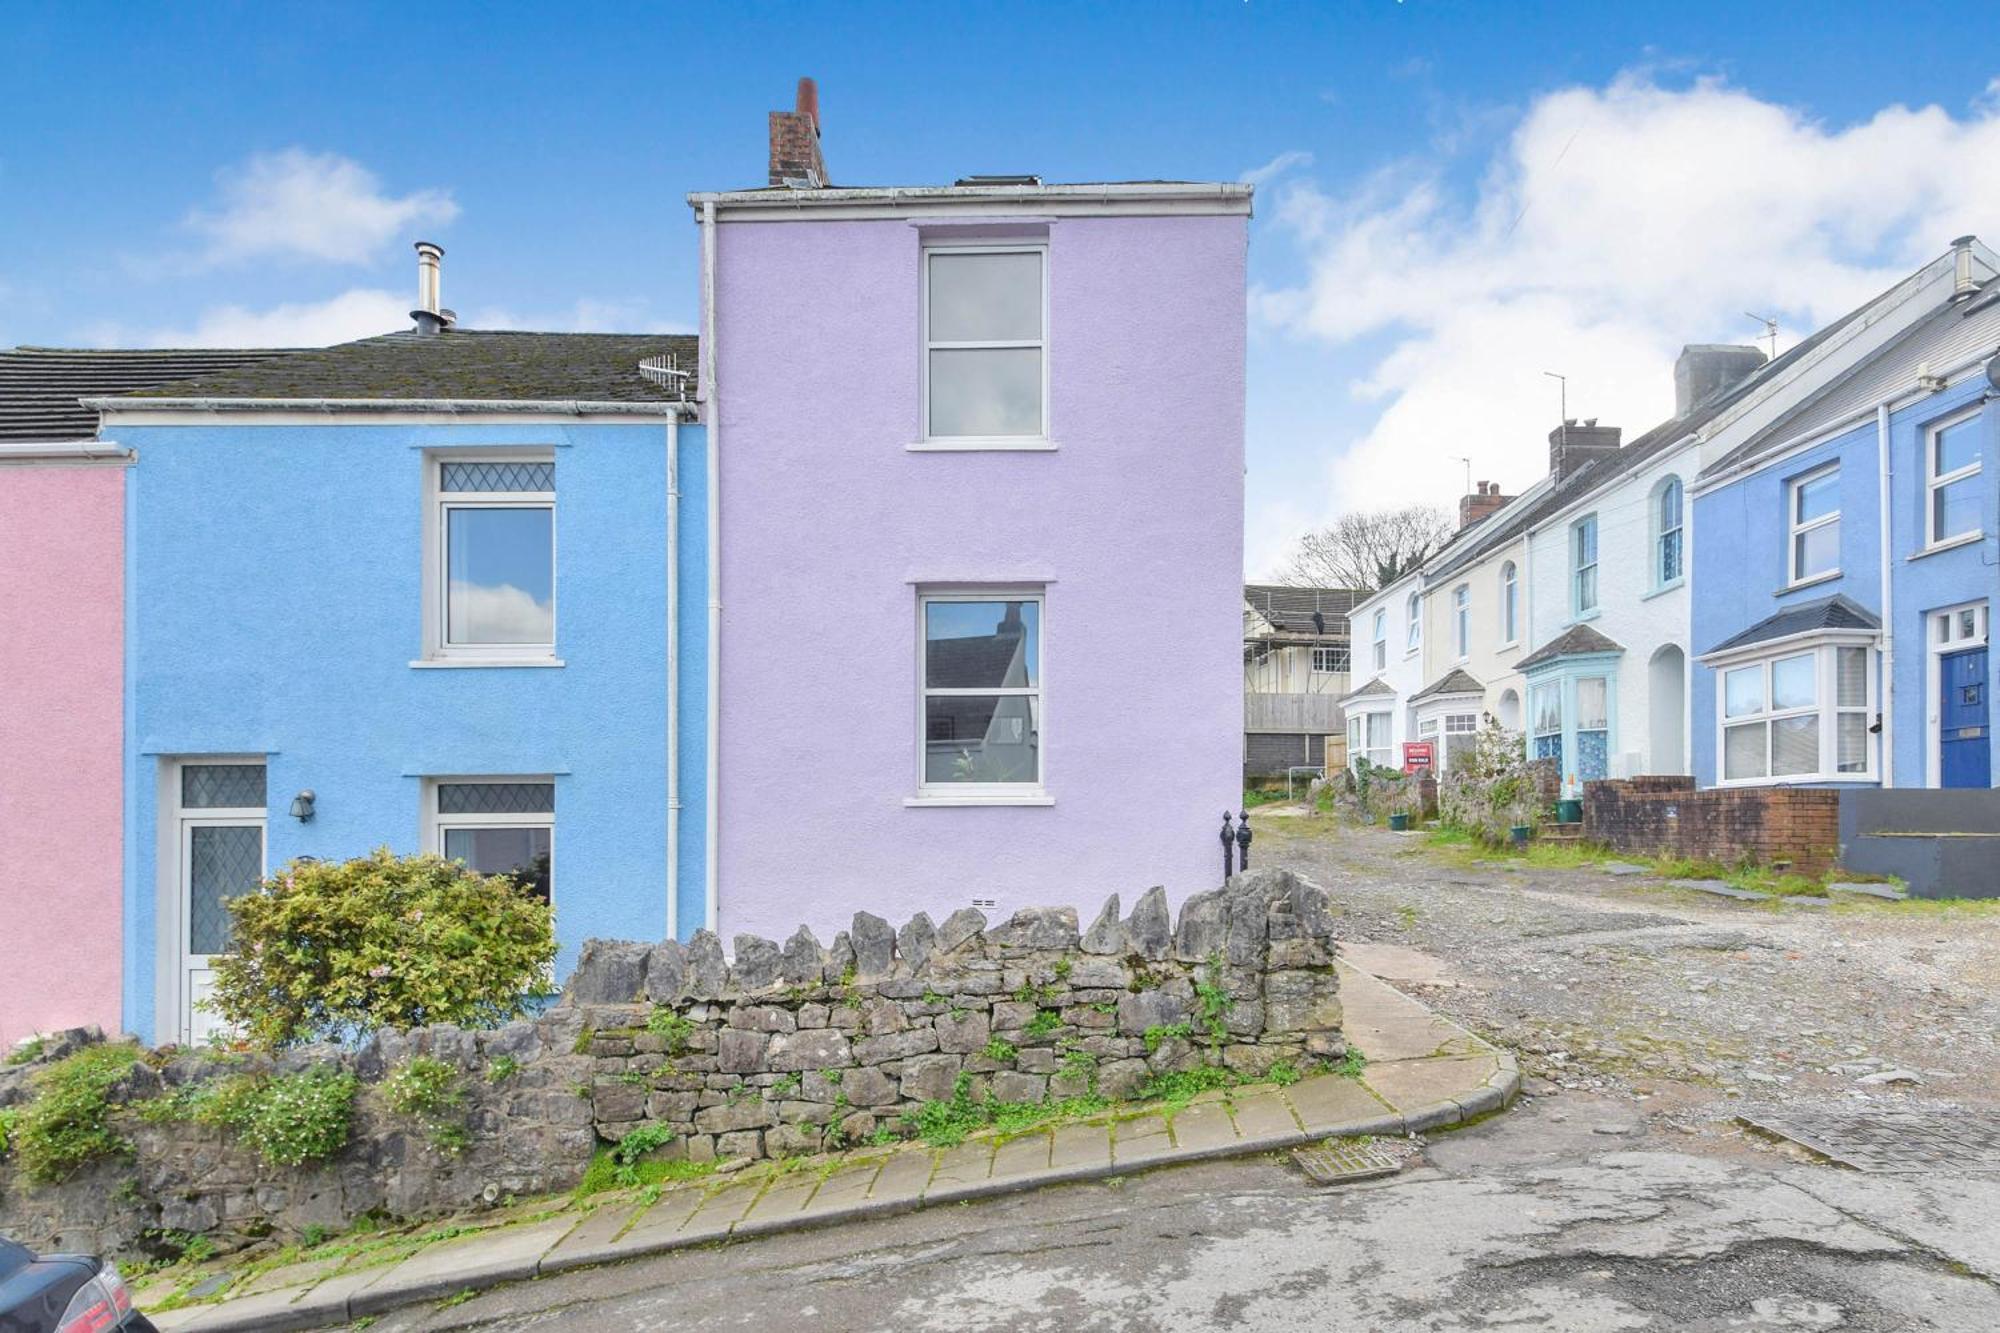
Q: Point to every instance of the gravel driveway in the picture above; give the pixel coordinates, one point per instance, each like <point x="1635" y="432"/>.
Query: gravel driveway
<point x="1695" y="1007"/>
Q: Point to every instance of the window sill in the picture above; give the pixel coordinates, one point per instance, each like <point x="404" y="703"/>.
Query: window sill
<point x="976" y="445"/>
<point x="1939" y="548"/>
<point x="453" y="663"/>
<point x="1665" y="588"/>
<point x="1812" y="582"/>
<point x="1805" y="780"/>
<point x="1583" y="616"/>
<point x="941" y="801"/>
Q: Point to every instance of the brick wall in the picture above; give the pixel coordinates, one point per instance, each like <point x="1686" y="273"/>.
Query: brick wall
<point x="1666" y="816"/>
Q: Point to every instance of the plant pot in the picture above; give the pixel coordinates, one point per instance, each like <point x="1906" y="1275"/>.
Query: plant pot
<point x="1519" y="834"/>
<point x="1398" y="823"/>
<point x="1569" y="811"/>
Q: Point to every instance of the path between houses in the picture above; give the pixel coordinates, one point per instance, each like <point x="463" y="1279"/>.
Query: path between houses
<point x="1423" y="1072"/>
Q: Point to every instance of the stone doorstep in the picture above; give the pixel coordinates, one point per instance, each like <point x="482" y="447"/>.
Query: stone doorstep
<point x="1422" y="1094"/>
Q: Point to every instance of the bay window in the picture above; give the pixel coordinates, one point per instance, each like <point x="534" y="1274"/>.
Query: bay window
<point x="1798" y="716"/>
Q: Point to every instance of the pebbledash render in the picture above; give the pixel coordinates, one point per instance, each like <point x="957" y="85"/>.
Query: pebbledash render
<point x="981" y="491"/>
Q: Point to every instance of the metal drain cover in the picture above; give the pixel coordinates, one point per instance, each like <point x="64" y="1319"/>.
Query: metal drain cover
<point x="1892" y="1141"/>
<point x="1344" y="1161"/>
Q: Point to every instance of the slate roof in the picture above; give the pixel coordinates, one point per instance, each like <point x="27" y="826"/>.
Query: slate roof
<point x="1455" y="681"/>
<point x="40" y="387"/>
<point x="465" y="364"/>
<point x="1291" y="610"/>
<point x="1836" y="612"/>
<point x="1375" y="686"/>
<point x="1531" y="508"/>
<point x="1948" y="335"/>
<point x="1576" y="641"/>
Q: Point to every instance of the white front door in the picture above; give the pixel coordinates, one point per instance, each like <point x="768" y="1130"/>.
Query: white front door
<point x="220" y="846"/>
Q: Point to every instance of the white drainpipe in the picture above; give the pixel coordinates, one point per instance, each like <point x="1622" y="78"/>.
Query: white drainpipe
<point x="673" y="678"/>
<point x="1887" y="512"/>
<point x="713" y="416"/>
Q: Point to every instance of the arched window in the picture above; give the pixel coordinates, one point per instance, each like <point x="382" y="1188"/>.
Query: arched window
<point x="1583" y="565"/>
<point x="1413" y="610"/>
<point x="1461" y="620"/>
<point x="1667" y="553"/>
<point x="1510" y="604"/>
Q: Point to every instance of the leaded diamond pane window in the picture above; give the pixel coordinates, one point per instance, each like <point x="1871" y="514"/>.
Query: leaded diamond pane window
<point x="225" y="861"/>
<point x="222" y="786"/>
<point x="499" y="476"/>
<point x="496" y="798"/>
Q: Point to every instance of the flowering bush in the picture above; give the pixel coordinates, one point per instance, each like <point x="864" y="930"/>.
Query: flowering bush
<point x="1493" y="790"/>
<point x="336" y="949"/>
<point x="290" y="1119"/>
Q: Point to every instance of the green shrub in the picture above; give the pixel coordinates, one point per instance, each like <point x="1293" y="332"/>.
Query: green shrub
<point x="633" y="1149"/>
<point x="289" y="1119"/>
<point x="1001" y="1051"/>
<point x="7" y="1116"/>
<point x="330" y="949"/>
<point x="1161" y="1033"/>
<point x="502" y="1068"/>
<point x="428" y="1091"/>
<point x="68" y="1124"/>
<point x="1043" y="1023"/>
<point x="26" y="1051"/>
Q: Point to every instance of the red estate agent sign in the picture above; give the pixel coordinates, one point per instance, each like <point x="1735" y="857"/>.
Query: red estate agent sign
<point x="1419" y="756"/>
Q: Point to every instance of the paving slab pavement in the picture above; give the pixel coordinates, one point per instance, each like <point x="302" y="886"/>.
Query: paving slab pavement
<point x="1421" y="1071"/>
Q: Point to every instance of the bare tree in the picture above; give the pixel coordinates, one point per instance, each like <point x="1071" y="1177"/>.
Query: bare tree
<point x="1366" y="551"/>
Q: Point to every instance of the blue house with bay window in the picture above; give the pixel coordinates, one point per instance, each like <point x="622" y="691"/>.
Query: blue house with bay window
<point x="1840" y="627"/>
<point x="440" y="590"/>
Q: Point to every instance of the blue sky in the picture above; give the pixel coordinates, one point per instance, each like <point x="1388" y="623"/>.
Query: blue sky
<point x="1453" y="197"/>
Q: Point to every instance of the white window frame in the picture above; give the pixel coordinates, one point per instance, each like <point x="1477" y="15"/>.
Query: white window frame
<point x="1413" y="630"/>
<point x="1826" y="706"/>
<point x="1934" y="481"/>
<point x="436" y="822"/>
<point x="984" y="793"/>
<point x="1510" y="604"/>
<point x="1794" y="529"/>
<point x="1381" y="639"/>
<point x="438" y="650"/>
<point x="1944" y="634"/>
<point x="1461" y="620"/>
<point x="1578" y="568"/>
<point x="1359" y="725"/>
<point x="1336" y="653"/>
<point x="1669" y="486"/>
<point x="948" y="443"/>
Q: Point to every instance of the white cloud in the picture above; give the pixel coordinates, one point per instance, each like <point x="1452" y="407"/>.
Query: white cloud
<point x="1612" y="226"/>
<point x="498" y="613"/>
<point x="304" y="205"/>
<point x="1290" y="160"/>
<point x="357" y="313"/>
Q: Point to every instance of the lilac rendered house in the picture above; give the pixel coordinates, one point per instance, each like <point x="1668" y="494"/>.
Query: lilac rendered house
<point x="979" y="514"/>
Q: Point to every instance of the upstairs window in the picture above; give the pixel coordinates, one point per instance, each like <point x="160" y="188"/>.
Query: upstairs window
<point x="1951" y="475"/>
<point x="491" y="538"/>
<point x="1812" y="503"/>
<point x="1413" y="621"/>
<point x="985" y="340"/>
<point x="1381" y="640"/>
<point x="1583" y="565"/>
<point x="1510" y="604"/>
<point x="1330" y="661"/>
<point x="1667" y="560"/>
<point x="1461" y="620"/>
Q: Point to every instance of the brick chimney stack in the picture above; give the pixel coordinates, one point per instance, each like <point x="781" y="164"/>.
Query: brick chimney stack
<point x="795" y="151"/>
<point x="1575" y="443"/>
<point x="1484" y="501"/>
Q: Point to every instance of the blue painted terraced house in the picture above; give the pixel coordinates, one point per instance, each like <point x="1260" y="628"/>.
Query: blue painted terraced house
<point x="443" y="588"/>
<point x="1845" y="563"/>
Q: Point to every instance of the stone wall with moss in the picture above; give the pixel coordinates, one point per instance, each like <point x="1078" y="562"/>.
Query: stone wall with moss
<point x="778" y="1050"/>
<point x="805" y="1047"/>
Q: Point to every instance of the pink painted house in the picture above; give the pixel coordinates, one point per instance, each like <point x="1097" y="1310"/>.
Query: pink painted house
<point x="979" y="512"/>
<point x="62" y="636"/>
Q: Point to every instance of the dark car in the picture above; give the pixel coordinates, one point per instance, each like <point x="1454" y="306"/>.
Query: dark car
<point x="63" y="1293"/>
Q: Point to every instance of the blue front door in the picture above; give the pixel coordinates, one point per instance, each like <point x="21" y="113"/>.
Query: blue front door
<point x="1963" y="758"/>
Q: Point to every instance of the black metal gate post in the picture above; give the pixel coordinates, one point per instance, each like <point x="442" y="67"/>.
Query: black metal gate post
<point x="1243" y="840"/>
<point x="1228" y="848"/>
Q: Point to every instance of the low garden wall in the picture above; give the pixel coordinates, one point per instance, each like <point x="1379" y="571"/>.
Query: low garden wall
<point x="1796" y="828"/>
<point x="778" y="1050"/>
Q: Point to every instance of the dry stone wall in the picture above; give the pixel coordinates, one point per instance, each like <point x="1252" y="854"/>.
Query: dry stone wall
<point x="782" y="1049"/>
<point x="800" y="1047"/>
